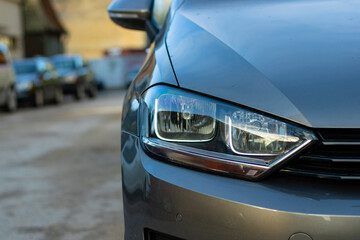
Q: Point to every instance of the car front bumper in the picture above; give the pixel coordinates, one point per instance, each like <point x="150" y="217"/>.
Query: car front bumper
<point x="191" y="204"/>
<point x="69" y="88"/>
<point x="25" y="95"/>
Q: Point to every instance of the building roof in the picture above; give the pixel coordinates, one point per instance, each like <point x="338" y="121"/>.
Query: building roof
<point x="40" y="16"/>
<point x="52" y="15"/>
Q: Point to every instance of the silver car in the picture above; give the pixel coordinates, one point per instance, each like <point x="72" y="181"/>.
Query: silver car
<point x="7" y="81"/>
<point x="243" y="122"/>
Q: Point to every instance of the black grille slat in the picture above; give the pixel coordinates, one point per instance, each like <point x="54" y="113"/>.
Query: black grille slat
<point x="349" y="151"/>
<point x="336" y="156"/>
<point x="333" y="159"/>
<point x="339" y="134"/>
<point x="327" y="167"/>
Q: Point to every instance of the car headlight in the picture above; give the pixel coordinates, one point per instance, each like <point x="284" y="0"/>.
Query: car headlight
<point x="70" y="79"/>
<point x="202" y="132"/>
<point x="24" y="86"/>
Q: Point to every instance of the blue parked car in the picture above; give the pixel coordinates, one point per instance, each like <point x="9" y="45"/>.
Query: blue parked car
<point x="37" y="81"/>
<point x="77" y="77"/>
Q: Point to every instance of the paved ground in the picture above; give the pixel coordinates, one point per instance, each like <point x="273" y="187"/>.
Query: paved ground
<point x="60" y="171"/>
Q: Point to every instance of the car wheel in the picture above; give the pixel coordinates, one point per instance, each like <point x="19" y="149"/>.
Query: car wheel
<point x="92" y="92"/>
<point x="38" y="98"/>
<point x="80" y="92"/>
<point x="59" y="95"/>
<point x="11" y="101"/>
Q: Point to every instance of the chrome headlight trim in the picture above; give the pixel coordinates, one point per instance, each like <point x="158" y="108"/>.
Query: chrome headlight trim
<point x="208" y="160"/>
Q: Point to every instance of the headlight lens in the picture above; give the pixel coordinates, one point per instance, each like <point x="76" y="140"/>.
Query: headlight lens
<point x="180" y="125"/>
<point x="253" y="134"/>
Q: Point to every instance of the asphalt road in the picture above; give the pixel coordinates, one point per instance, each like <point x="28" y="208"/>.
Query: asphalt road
<point x="60" y="173"/>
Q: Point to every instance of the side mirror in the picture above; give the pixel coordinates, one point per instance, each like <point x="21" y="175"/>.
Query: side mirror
<point x="132" y="14"/>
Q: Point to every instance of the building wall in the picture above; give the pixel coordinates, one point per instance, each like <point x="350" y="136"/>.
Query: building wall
<point x="43" y="31"/>
<point x="90" y="29"/>
<point x="11" y="32"/>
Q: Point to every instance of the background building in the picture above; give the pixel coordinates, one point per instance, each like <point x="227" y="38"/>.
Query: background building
<point x="91" y="32"/>
<point x="44" y="32"/>
<point x="11" y="26"/>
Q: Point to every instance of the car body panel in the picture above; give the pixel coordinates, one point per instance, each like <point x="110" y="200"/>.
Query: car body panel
<point x="155" y="70"/>
<point x="217" y="207"/>
<point x="293" y="59"/>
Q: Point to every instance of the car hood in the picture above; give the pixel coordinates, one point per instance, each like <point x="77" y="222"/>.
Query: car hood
<point x="29" y="77"/>
<point x="299" y="60"/>
<point x="66" y="72"/>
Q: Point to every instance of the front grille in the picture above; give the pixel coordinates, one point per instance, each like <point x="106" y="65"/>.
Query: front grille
<point x="337" y="155"/>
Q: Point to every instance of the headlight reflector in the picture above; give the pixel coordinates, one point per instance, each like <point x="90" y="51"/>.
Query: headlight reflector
<point x="183" y="119"/>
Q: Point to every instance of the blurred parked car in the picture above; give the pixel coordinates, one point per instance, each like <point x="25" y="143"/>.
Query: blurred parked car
<point x="7" y="83"/>
<point x="37" y="81"/>
<point x="78" y="79"/>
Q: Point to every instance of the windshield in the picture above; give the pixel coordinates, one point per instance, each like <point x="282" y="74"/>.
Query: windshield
<point x="25" y="68"/>
<point x="64" y="64"/>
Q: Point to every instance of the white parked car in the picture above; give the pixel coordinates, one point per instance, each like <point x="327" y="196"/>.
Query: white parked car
<point x="8" y="99"/>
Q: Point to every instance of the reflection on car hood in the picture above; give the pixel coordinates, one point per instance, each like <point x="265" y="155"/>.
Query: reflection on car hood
<point x="29" y="77"/>
<point x="299" y="60"/>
